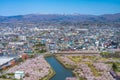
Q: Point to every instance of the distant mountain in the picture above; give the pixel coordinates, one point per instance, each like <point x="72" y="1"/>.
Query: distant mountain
<point x="49" y="19"/>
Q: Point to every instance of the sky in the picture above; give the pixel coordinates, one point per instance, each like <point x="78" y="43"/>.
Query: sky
<point x="93" y="7"/>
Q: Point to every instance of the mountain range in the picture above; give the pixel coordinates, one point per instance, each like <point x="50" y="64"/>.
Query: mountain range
<point x="62" y="20"/>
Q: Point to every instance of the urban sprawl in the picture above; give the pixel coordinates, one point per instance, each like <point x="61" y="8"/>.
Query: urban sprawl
<point x="91" y="53"/>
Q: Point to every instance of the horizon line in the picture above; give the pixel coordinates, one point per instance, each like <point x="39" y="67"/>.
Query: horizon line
<point x="59" y="14"/>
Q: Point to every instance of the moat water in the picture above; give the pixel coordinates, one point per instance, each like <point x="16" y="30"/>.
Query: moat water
<point x="61" y="71"/>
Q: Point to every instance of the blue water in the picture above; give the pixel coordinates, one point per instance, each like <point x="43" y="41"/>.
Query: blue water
<point x="61" y="71"/>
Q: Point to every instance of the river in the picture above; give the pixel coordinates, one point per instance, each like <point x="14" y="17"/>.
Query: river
<point x="61" y="71"/>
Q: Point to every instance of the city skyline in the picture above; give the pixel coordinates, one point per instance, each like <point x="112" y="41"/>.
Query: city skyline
<point x="93" y="7"/>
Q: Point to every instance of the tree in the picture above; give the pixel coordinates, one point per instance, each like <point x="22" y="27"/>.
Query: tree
<point x="114" y="66"/>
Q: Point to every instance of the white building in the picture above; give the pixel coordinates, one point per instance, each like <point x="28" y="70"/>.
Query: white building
<point x="19" y="74"/>
<point x="22" y="38"/>
<point x="5" y="59"/>
<point x="16" y="43"/>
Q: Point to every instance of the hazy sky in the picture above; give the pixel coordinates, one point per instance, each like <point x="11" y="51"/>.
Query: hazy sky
<point x="20" y="7"/>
